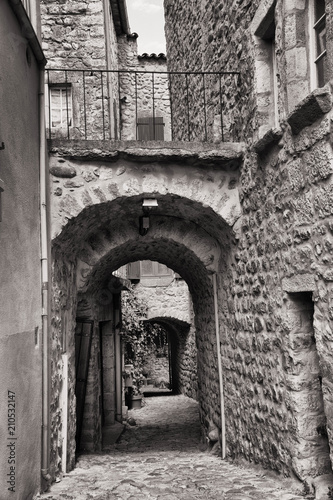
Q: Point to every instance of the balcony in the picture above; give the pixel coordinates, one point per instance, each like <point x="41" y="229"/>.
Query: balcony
<point x="94" y="105"/>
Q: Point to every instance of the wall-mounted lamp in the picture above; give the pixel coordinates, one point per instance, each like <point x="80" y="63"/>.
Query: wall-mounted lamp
<point x="147" y="205"/>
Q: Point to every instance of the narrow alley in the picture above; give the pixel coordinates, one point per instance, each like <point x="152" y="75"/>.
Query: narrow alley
<point x="161" y="457"/>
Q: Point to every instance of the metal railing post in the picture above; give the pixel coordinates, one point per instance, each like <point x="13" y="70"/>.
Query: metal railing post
<point x="188" y="109"/>
<point x="153" y="89"/>
<point x="67" y="115"/>
<point x="103" y="117"/>
<point x="84" y="104"/>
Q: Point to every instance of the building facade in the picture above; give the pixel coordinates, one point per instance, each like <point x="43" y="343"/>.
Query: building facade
<point x="277" y="314"/>
<point x="23" y="320"/>
<point x="218" y="168"/>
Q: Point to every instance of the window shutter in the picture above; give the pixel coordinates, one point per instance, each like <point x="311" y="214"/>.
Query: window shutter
<point x="150" y="129"/>
<point x="159" y="129"/>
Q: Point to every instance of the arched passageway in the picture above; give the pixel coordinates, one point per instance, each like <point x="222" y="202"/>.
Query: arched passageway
<point x="184" y="235"/>
<point x="183" y="355"/>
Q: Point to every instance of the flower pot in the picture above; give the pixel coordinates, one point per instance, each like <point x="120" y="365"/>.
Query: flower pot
<point x="136" y="402"/>
<point x="128" y="380"/>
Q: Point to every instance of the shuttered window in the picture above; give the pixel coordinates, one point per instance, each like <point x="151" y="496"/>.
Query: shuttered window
<point x="61" y="106"/>
<point x="151" y="129"/>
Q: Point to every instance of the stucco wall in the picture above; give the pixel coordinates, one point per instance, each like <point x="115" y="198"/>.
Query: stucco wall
<point x="20" y="285"/>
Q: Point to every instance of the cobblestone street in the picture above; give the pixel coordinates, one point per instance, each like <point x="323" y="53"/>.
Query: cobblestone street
<point x="161" y="458"/>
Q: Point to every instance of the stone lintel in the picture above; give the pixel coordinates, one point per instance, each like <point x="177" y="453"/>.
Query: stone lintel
<point x="314" y="106"/>
<point x="299" y="283"/>
<point x="263" y="17"/>
<point x="228" y="155"/>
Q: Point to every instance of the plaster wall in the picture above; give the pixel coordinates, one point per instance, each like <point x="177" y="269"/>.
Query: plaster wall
<point x="20" y="287"/>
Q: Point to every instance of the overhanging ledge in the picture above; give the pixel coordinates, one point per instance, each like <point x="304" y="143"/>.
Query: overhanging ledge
<point x="228" y="155"/>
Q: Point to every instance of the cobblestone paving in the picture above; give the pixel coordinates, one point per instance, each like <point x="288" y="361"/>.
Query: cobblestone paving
<point x="161" y="458"/>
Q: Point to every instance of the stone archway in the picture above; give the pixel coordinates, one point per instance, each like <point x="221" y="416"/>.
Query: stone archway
<point x="185" y="235"/>
<point x="183" y="355"/>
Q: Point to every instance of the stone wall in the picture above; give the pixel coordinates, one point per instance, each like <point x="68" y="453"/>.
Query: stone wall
<point x="73" y="34"/>
<point x="184" y="362"/>
<point x="144" y="94"/>
<point x="62" y="339"/>
<point x="283" y="239"/>
<point x="172" y="301"/>
<point x="212" y="36"/>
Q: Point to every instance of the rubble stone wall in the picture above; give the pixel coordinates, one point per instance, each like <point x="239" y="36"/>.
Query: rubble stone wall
<point x="172" y="301"/>
<point x="283" y="239"/>
<point x="212" y="36"/>
<point x="73" y="34"/>
<point x="64" y="301"/>
<point x="185" y="371"/>
<point x="147" y="93"/>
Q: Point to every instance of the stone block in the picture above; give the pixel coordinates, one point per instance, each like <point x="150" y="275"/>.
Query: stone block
<point x="314" y="106"/>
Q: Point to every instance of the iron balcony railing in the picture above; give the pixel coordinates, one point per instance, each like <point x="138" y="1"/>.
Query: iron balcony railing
<point x="138" y="105"/>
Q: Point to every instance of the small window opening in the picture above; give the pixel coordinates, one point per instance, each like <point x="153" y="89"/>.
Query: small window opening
<point x="265" y="41"/>
<point x="61" y="106"/>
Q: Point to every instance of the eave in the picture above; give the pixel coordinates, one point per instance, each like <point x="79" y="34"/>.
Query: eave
<point x="120" y="17"/>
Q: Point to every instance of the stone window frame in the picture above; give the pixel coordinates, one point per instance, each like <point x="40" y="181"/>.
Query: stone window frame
<point x="263" y="35"/>
<point x="305" y="101"/>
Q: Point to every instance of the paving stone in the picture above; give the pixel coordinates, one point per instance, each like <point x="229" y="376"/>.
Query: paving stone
<point x="161" y="459"/>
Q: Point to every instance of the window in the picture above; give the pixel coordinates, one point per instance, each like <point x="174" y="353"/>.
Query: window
<point x="269" y="40"/>
<point x="151" y="129"/>
<point x="152" y="268"/>
<point x="263" y="30"/>
<point x="147" y="269"/>
<point x="61" y="106"/>
<point x="320" y="42"/>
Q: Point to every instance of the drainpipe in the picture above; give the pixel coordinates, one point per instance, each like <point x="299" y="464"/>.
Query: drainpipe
<point x="219" y="364"/>
<point x="108" y="51"/>
<point x="45" y="282"/>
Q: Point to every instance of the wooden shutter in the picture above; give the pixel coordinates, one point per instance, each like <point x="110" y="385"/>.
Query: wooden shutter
<point x="151" y="129"/>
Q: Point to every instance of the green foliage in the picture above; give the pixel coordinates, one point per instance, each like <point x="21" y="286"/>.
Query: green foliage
<point x="139" y="337"/>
